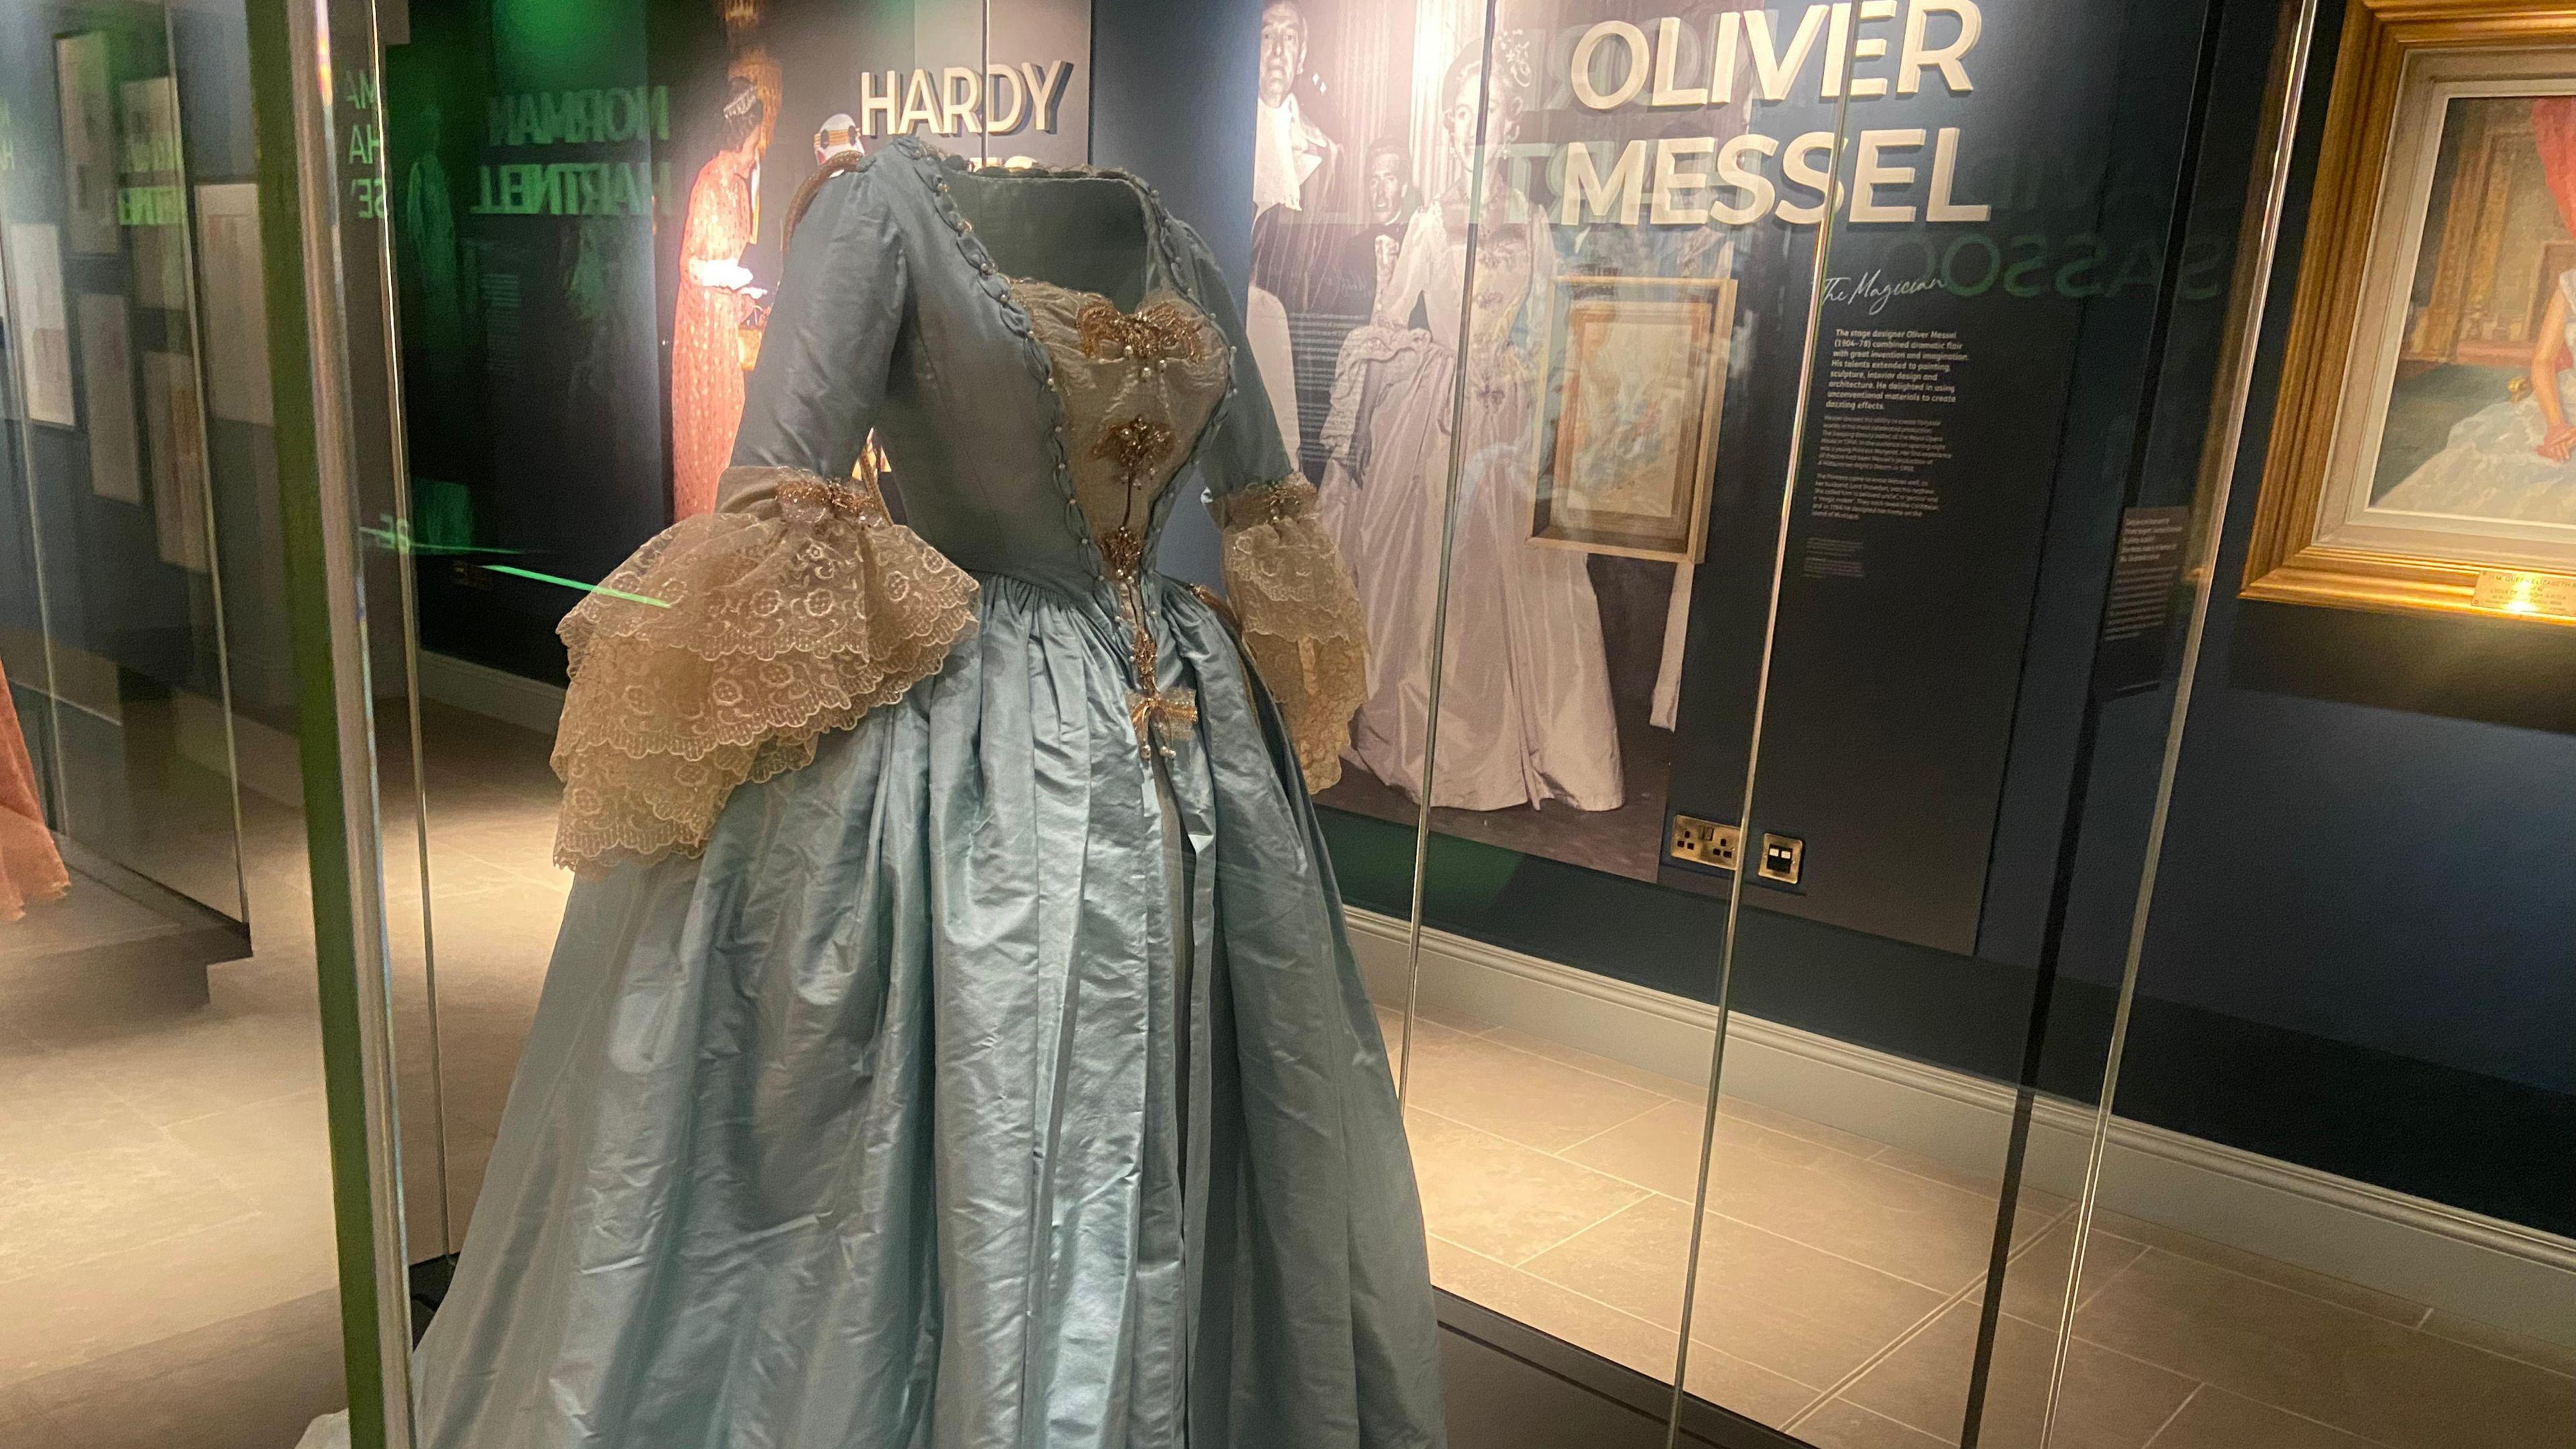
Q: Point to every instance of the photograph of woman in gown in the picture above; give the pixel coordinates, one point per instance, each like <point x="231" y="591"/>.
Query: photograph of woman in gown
<point x="716" y="292"/>
<point x="1525" y="709"/>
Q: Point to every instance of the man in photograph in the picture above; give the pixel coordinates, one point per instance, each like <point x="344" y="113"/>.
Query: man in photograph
<point x="1289" y="149"/>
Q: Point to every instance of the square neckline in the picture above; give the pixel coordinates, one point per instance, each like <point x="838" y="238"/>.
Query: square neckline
<point x="1162" y="277"/>
<point x="932" y="165"/>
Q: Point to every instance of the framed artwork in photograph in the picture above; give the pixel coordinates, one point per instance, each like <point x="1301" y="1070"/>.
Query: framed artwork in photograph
<point x="2423" y="456"/>
<point x="1631" y="382"/>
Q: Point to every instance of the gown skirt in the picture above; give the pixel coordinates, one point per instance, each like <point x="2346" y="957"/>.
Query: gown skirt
<point x="867" y="1130"/>
<point x="1525" y="703"/>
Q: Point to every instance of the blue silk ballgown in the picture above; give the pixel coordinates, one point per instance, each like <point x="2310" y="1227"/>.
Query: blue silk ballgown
<point x="952" y="1040"/>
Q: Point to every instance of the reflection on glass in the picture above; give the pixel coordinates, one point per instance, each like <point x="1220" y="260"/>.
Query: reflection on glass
<point x="166" y="1222"/>
<point x="2393" y="1268"/>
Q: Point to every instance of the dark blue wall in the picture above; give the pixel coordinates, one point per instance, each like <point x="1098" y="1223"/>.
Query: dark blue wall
<point x="2373" y="834"/>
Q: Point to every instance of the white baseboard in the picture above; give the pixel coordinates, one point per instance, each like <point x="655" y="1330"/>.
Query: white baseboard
<point x="495" y="693"/>
<point x="2483" y="1268"/>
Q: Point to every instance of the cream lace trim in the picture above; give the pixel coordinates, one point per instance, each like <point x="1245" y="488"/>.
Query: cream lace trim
<point x="727" y="645"/>
<point x="1300" y="617"/>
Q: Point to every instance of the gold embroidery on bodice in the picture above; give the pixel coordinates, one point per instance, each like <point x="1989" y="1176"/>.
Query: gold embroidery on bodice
<point x="1135" y="389"/>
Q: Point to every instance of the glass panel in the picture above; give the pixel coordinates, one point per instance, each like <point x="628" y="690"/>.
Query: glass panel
<point x="166" y="1222"/>
<point x="2333" y="1206"/>
<point x="1629" y="418"/>
<point x="1977" y="573"/>
<point x="1357" y="301"/>
<point x="114" y="472"/>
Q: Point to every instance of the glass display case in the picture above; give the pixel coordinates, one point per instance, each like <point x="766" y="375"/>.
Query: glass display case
<point x="1944" y="836"/>
<point x="166" y="1209"/>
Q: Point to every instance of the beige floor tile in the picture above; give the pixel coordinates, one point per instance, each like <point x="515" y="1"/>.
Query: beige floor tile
<point x="24" y="1426"/>
<point x="1634" y="1262"/>
<point x="2109" y="1402"/>
<point x="151" y="1292"/>
<point x="249" y="1382"/>
<point x="1504" y="1200"/>
<point x="1772" y="1303"/>
<point x="275" y="1153"/>
<point x="1922" y="1231"/>
<point x="1514" y="1095"/>
<point x="1586" y="1323"/>
<point x="1623" y="1338"/>
<point x="126" y="1185"/>
<point x="2269" y="1270"/>
<point x="2350" y="1369"/>
<point x="1841" y="1424"/>
<point x="170" y="1070"/>
<point x="2217" y="1419"/>
<point x="2558" y="1358"/>
<point x="49" y="1104"/>
<point x="1661" y="1149"/>
<point x="496" y="945"/>
<point x="521" y="851"/>
<point x="1619" y="1071"/>
<point x="2035" y="1284"/>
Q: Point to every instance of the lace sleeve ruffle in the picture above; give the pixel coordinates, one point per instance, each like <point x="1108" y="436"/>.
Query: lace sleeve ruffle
<point x="727" y="645"/>
<point x="1300" y="617"/>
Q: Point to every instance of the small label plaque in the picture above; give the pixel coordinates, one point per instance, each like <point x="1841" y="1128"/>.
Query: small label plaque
<point x="2512" y="591"/>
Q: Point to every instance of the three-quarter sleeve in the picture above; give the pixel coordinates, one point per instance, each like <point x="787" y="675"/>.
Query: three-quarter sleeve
<point x="731" y="642"/>
<point x="1291" y="592"/>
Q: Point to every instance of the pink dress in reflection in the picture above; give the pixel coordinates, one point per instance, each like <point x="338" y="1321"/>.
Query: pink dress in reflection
<point x="31" y="870"/>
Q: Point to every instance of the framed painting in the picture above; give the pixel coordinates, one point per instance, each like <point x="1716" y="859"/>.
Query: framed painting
<point x="89" y="143"/>
<point x="1634" y="373"/>
<point x="2423" y="457"/>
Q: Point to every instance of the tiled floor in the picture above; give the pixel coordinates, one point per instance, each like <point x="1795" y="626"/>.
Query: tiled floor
<point x="166" y="1268"/>
<point x="1841" y="1282"/>
<point x="164" y="1235"/>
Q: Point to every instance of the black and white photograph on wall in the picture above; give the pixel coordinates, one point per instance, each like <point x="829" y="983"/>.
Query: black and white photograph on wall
<point x="1560" y="671"/>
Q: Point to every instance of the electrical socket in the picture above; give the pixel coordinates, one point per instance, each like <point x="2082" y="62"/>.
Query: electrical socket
<point x="1783" y="858"/>
<point x="1705" y="842"/>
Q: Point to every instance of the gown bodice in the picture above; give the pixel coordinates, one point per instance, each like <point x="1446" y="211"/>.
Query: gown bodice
<point x="1039" y="415"/>
<point x="1050" y="360"/>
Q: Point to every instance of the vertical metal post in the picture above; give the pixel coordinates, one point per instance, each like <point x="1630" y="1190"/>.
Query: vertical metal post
<point x="318" y="477"/>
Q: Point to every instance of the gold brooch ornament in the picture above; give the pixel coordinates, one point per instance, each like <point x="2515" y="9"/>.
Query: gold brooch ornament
<point x="1156" y="715"/>
<point x="1135" y="445"/>
<point x="1160" y="333"/>
<point x="858" y="498"/>
<point x="1122" y="549"/>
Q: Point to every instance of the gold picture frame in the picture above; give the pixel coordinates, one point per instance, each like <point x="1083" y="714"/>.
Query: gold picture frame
<point x="2409" y="469"/>
<point x="1633" y="376"/>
